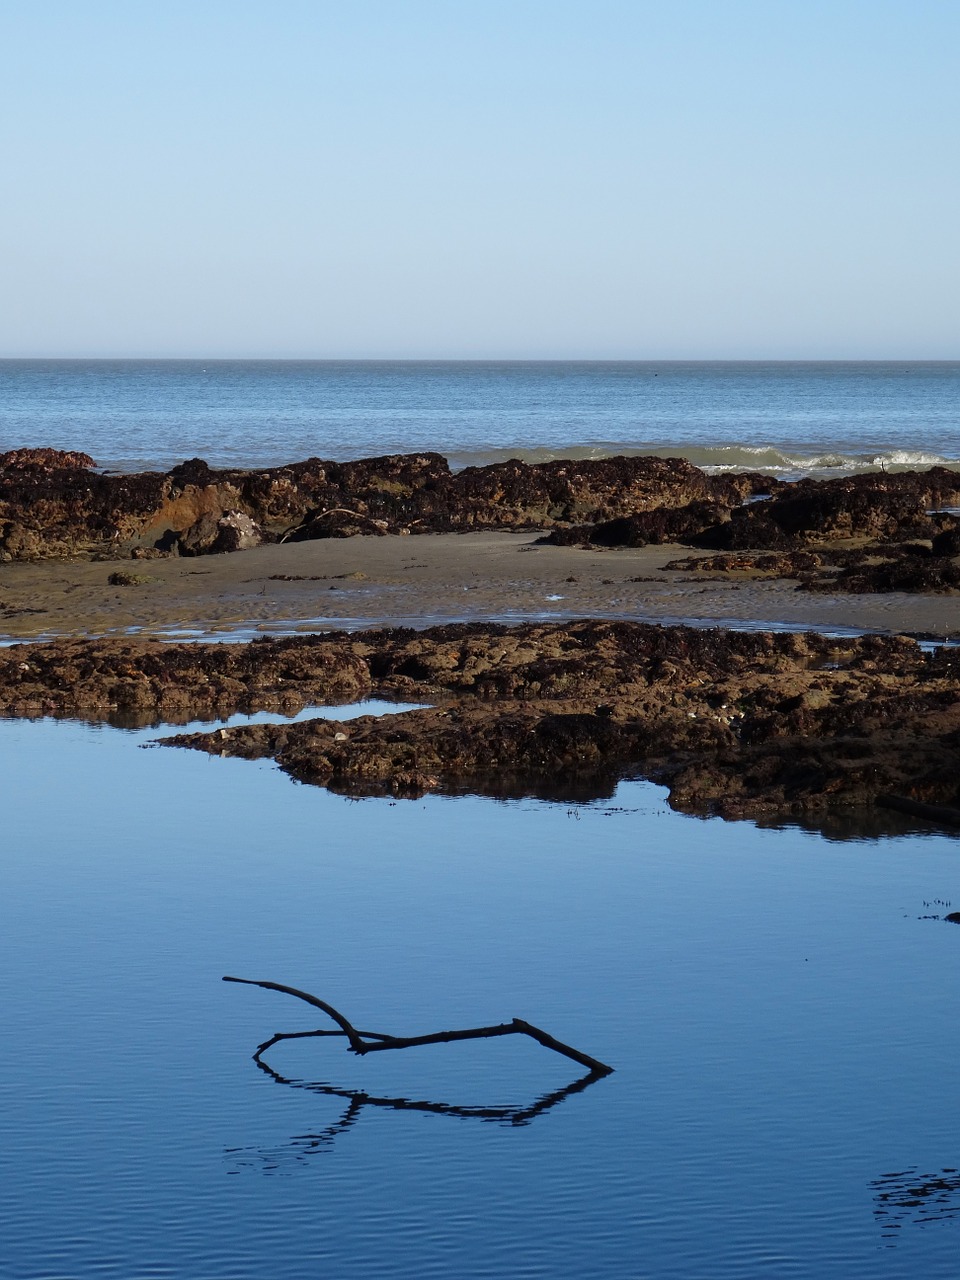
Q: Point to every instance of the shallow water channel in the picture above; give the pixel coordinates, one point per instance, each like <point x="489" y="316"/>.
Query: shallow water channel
<point x="780" y="1008"/>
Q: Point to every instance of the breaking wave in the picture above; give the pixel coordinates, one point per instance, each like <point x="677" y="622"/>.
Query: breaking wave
<point x="719" y="459"/>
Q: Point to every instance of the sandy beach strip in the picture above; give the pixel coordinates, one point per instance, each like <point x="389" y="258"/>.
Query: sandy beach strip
<point x="417" y="581"/>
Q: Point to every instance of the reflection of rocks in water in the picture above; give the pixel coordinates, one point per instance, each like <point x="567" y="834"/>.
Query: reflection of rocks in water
<point x="844" y="825"/>
<point x="911" y="1198"/>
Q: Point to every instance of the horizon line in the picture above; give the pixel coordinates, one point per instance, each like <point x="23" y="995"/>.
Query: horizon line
<point x="466" y="360"/>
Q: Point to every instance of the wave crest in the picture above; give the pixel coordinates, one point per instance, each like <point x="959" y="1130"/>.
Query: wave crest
<point x="719" y="459"/>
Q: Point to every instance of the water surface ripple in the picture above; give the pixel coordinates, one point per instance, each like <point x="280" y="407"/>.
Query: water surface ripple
<point x="780" y="1009"/>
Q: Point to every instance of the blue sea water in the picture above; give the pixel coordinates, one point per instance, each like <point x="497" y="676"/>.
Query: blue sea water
<point x="788" y="418"/>
<point x="779" y="1008"/>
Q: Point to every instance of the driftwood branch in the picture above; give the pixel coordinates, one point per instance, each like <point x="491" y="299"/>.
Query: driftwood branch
<point x="354" y="1036"/>
<point x="363" y="1042"/>
<point x="331" y="511"/>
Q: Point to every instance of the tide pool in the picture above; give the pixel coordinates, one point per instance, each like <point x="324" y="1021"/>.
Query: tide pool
<point x="779" y="1008"/>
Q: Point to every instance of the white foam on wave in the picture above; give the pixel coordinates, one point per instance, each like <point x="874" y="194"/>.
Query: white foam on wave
<point x="722" y="459"/>
<point x="908" y="458"/>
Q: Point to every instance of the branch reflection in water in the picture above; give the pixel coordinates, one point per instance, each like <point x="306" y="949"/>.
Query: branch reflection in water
<point x="301" y="1147"/>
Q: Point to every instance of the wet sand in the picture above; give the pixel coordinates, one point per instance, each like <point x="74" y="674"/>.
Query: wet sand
<point x="336" y="584"/>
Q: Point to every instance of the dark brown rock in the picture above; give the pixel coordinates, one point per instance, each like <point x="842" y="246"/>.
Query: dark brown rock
<point x="18" y="542"/>
<point x="808" y="514"/>
<point x="741" y="724"/>
<point x="120" y="579"/>
<point x="54" y="504"/>
<point x="815" y="512"/>
<point x="646" y="528"/>
<point x="68" y="509"/>
<point x="910" y="567"/>
<point x="214" y="535"/>
<point x="44" y="460"/>
<point x="198" y="539"/>
<point x="64" y="508"/>
<point x="947" y="543"/>
<point x="920" y="575"/>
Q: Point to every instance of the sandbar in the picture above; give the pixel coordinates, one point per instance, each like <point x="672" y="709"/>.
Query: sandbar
<point x="422" y="580"/>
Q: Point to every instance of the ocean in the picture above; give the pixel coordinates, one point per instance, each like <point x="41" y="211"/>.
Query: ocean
<point x="789" y="419"/>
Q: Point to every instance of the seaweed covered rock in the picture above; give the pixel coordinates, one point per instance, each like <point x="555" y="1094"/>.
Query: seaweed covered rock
<point x="645" y="528"/>
<point x="875" y="507"/>
<point x="917" y="574"/>
<point x="70" y="509"/>
<point x="742" y="724"/>
<point x="808" y="514"/>
<point x="876" y="568"/>
<point x="44" y="459"/>
<point x="55" y="503"/>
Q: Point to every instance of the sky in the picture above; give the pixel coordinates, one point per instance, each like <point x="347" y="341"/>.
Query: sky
<point x="474" y="179"/>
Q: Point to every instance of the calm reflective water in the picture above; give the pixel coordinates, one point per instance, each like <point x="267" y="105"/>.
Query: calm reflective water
<point x="787" y="417"/>
<point x="781" y="1018"/>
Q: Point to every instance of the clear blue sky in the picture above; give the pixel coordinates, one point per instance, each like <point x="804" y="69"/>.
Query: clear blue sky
<point x="480" y="178"/>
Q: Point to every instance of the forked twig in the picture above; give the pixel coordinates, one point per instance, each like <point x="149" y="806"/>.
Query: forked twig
<point x="363" y="1042"/>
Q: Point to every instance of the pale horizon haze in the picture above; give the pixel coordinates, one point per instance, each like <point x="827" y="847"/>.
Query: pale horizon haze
<point x="524" y="180"/>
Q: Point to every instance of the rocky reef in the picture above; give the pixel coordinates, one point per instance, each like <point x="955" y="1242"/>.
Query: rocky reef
<point x="57" y="504"/>
<point x="876" y="568"/>
<point x="737" y="724"/>
<point x="874" y="507"/>
<point x="870" y="533"/>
